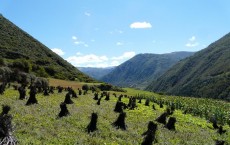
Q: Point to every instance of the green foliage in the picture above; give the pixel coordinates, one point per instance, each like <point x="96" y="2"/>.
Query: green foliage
<point x="41" y="72"/>
<point x="85" y="87"/>
<point x="140" y="70"/>
<point x="205" y="74"/>
<point x="94" y="88"/>
<point x="41" y="82"/>
<point x="27" y="54"/>
<point x="204" y="108"/>
<point x="51" y="70"/>
<point x="5" y="73"/>
<point x="105" y="87"/>
<point x="2" y="62"/>
<point x="21" y="64"/>
<point x="109" y="87"/>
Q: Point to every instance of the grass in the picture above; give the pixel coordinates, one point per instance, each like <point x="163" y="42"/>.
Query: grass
<point x="202" y="107"/>
<point x="38" y="124"/>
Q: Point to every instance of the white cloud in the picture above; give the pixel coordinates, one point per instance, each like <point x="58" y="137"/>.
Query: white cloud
<point x="74" y="37"/>
<point x="58" y="51"/>
<point x="119" y="43"/>
<point x="193" y="38"/>
<point x="79" y="53"/>
<point x="115" y="63"/>
<point x="192" y="42"/>
<point x="100" y="65"/>
<point x="78" y="42"/>
<point x="92" y="60"/>
<point x="125" y="55"/>
<point x="87" y="14"/>
<point x="140" y="25"/>
<point x="81" y="43"/>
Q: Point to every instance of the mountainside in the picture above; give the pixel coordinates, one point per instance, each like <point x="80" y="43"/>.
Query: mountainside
<point x="205" y="74"/>
<point x="18" y="49"/>
<point x="143" y="68"/>
<point x="96" y="73"/>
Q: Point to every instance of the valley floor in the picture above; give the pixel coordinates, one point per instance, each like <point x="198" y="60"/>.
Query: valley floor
<point x="38" y="124"/>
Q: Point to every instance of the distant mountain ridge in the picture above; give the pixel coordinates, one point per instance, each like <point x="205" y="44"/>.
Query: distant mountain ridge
<point x="96" y="73"/>
<point x="205" y="74"/>
<point x="18" y="48"/>
<point x="140" y="70"/>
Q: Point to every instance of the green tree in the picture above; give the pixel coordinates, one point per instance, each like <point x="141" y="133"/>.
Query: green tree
<point x="85" y="87"/>
<point x="22" y="64"/>
<point x="2" y="62"/>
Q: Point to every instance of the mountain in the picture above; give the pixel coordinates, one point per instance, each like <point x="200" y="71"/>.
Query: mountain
<point x="140" y="70"/>
<point x="95" y="72"/>
<point x="205" y="74"/>
<point x="22" y="51"/>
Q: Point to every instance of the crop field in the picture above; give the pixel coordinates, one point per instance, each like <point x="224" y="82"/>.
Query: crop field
<point x="40" y="124"/>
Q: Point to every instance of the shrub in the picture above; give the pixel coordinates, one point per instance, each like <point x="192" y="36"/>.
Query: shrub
<point x="50" y="70"/>
<point x="5" y="74"/>
<point x="2" y="62"/>
<point x="41" y="72"/>
<point x="22" y="64"/>
<point x="85" y="87"/>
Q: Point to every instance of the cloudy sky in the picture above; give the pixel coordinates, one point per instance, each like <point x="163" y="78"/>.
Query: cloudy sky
<point x="101" y="33"/>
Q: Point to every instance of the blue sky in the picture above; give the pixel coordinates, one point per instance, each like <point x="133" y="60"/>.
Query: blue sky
<point x="106" y="33"/>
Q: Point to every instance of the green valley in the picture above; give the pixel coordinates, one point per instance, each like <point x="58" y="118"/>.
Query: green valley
<point x="39" y="124"/>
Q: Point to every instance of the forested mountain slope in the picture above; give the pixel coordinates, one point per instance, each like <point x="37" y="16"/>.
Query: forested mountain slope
<point x="205" y="74"/>
<point x="20" y="50"/>
<point x="140" y="70"/>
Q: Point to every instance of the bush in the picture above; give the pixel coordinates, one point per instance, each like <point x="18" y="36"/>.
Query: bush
<point x="105" y="87"/>
<point x="108" y="87"/>
<point x="50" y="70"/>
<point x="41" y="82"/>
<point x="85" y="87"/>
<point x="22" y="64"/>
<point x="94" y="89"/>
<point x="42" y="73"/>
<point x="2" y="62"/>
<point x="5" y="73"/>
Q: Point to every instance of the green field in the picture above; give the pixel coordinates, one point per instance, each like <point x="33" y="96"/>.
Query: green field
<point x="38" y="124"/>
